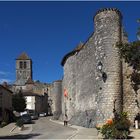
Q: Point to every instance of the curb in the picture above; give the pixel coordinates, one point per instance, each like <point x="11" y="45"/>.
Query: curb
<point x="15" y="130"/>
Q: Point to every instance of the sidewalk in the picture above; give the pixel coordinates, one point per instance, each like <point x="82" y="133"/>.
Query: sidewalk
<point x="81" y="132"/>
<point x="135" y="134"/>
<point x="92" y="133"/>
<point x="11" y="129"/>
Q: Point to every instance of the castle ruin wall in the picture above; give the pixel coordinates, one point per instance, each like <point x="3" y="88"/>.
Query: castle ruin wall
<point x="89" y="95"/>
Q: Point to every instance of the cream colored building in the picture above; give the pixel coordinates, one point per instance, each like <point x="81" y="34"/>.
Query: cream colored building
<point x="30" y="100"/>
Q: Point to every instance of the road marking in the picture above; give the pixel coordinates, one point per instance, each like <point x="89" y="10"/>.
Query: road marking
<point x="74" y="134"/>
<point x="13" y="128"/>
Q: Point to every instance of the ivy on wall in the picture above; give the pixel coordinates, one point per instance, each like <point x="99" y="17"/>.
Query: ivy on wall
<point x="130" y="52"/>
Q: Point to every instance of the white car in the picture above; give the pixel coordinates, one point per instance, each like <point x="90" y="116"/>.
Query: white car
<point x="23" y="113"/>
<point x="42" y="114"/>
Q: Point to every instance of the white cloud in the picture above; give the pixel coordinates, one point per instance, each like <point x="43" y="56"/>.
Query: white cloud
<point x="3" y="73"/>
<point x="5" y="80"/>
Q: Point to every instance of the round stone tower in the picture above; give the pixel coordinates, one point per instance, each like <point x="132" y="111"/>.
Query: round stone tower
<point x="57" y="94"/>
<point x="107" y="24"/>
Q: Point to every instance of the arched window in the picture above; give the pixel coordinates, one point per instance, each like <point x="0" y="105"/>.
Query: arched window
<point x="20" y="65"/>
<point x="25" y="65"/>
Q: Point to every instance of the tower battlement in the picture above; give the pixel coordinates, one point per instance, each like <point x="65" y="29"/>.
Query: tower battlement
<point x="108" y="9"/>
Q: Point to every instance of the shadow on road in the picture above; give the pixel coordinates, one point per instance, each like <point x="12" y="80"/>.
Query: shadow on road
<point x="130" y="137"/>
<point x="32" y="122"/>
<point x="19" y="136"/>
<point x="26" y="128"/>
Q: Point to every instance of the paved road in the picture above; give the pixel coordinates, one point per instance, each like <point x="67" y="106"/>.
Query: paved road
<point x="45" y="129"/>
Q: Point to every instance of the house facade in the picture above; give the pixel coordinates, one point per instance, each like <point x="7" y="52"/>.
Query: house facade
<point x="5" y="103"/>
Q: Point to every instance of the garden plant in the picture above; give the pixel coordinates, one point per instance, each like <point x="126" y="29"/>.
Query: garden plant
<point x="116" y="128"/>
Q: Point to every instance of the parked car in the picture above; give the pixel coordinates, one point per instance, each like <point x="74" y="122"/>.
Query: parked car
<point x="22" y="113"/>
<point x="26" y="118"/>
<point x="34" y="116"/>
<point x="42" y="114"/>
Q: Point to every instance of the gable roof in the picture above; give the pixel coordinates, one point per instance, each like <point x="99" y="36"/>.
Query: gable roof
<point x="1" y="86"/>
<point x="23" y="56"/>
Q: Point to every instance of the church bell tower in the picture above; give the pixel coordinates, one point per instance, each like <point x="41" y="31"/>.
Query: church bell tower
<point x="23" y="69"/>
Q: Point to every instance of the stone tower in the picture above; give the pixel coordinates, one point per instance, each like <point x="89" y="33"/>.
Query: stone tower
<point x="23" y="69"/>
<point x="56" y="94"/>
<point x="108" y="25"/>
<point x="93" y="73"/>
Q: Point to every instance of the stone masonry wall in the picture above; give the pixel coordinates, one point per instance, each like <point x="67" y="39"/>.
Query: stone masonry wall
<point x="108" y="32"/>
<point x="56" y="94"/>
<point x="90" y="99"/>
<point x="22" y="75"/>
<point x="80" y="84"/>
<point x="129" y="96"/>
<point x="70" y="82"/>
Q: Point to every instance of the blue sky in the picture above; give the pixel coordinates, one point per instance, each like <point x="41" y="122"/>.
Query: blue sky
<point x="48" y="30"/>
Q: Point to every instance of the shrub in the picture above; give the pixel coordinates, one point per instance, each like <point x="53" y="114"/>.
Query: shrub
<point x="99" y="126"/>
<point x="116" y="128"/>
<point x="19" y="123"/>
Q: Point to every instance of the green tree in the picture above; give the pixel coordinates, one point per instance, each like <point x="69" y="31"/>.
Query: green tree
<point x="130" y="52"/>
<point x="19" y="102"/>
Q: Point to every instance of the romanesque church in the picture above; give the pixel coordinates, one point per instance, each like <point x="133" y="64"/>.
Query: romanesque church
<point x="36" y="92"/>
